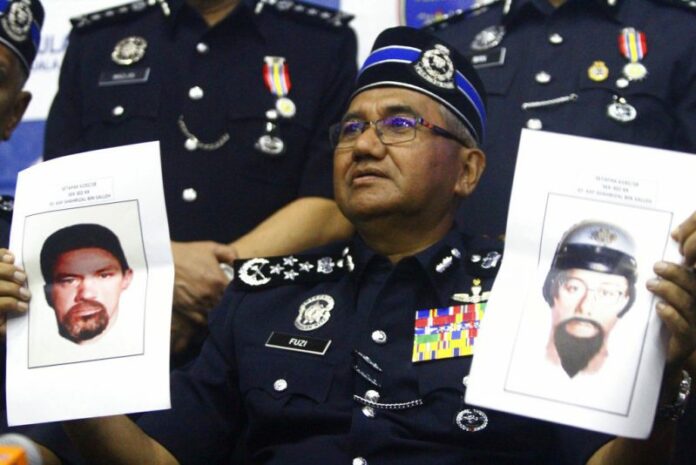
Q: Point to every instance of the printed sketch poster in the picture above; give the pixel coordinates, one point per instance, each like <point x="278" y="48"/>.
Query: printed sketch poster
<point x="570" y="333"/>
<point x="91" y="232"/>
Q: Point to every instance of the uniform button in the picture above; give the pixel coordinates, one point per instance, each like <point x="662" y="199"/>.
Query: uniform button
<point x="202" y="47"/>
<point x="372" y="395"/>
<point x="542" y="77"/>
<point x="189" y="194"/>
<point x="622" y="83"/>
<point x="465" y="380"/>
<point x="195" y="93"/>
<point x="534" y="123"/>
<point x="379" y="337"/>
<point x="556" y="39"/>
<point x="359" y="461"/>
<point x="118" y="111"/>
<point x="369" y="412"/>
<point x="280" y="385"/>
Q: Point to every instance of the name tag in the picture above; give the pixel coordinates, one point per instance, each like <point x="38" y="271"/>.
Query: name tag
<point x="488" y="59"/>
<point x="308" y="345"/>
<point x="124" y="77"/>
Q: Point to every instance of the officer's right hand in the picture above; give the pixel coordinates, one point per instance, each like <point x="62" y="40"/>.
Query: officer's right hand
<point x="14" y="297"/>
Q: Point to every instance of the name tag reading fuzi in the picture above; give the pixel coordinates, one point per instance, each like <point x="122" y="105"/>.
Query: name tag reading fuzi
<point x="124" y="77"/>
<point x="308" y="345"/>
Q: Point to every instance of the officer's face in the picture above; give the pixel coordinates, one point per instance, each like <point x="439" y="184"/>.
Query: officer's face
<point x="87" y="286"/>
<point x="421" y="178"/>
<point x="588" y="302"/>
<point x="13" y="101"/>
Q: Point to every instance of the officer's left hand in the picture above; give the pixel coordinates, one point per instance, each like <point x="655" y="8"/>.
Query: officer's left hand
<point x="676" y="287"/>
<point x="14" y="297"/>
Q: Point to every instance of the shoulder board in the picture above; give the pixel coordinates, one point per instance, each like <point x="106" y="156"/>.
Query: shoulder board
<point x="117" y="13"/>
<point x="688" y="4"/>
<point x="476" y="7"/>
<point x="264" y="273"/>
<point x="316" y="14"/>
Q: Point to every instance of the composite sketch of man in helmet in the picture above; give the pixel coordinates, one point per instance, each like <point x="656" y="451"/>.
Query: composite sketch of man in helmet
<point x="589" y="287"/>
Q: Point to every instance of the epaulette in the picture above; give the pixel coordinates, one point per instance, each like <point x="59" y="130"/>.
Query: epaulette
<point x="476" y="7"/>
<point x="264" y="273"/>
<point x="118" y="13"/>
<point x="688" y="4"/>
<point x="307" y="11"/>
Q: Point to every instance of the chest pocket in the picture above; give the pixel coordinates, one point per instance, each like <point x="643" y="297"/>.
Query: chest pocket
<point x="497" y="79"/>
<point x="440" y="375"/>
<point x="284" y="377"/>
<point x="120" y="104"/>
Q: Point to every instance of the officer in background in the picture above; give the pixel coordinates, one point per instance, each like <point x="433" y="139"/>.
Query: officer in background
<point x="620" y="70"/>
<point x="350" y="372"/>
<point x="240" y="95"/>
<point x="20" y="37"/>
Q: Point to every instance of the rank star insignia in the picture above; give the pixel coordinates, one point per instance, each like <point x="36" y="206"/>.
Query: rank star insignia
<point x="314" y="312"/>
<point x="436" y="67"/>
<point x="129" y="51"/>
<point x="277" y="269"/>
<point x="306" y="266"/>
<point x="291" y="275"/>
<point x="289" y="261"/>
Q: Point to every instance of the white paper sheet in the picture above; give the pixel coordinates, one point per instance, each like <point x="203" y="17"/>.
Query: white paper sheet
<point x="124" y="369"/>
<point x="560" y="181"/>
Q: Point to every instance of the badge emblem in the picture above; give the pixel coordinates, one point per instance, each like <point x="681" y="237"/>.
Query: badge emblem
<point x="472" y="420"/>
<point x="270" y="145"/>
<point x="251" y="274"/>
<point x="436" y="67"/>
<point x="17" y="22"/>
<point x="129" y="51"/>
<point x="598" y="71"/>
<point x="488" y="38"/>
<point x="476" y="295"/>
<point x="314" y="312"/>
<point x="621" y="111"/>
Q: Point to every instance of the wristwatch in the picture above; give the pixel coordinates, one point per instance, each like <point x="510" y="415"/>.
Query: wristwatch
<point x="675" y="410"/>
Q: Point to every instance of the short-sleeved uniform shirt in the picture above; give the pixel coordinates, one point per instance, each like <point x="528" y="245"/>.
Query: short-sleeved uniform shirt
<point x="361" y="398"/>
<point x="567" y="67"/>
<point x="174" y="79"/>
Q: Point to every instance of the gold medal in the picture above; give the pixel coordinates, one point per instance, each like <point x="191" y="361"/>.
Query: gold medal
<point x="286" y="107"/>
<point x="598" y="71"/>
<point x="635" y="71"/>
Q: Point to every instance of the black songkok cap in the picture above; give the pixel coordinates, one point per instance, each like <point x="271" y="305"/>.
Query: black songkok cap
<point x="20" y="28"/>
<point x="414" y="59"/>
<point x="79" y="236"/>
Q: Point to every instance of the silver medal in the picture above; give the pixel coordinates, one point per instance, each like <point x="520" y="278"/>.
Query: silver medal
<point x="270" y="145"/>
<point x="314" y="312"/>
<point x="488" y="38"/>
<point x="286" y="107"/>
<point x="129" y="51"/>
<point x="471" y="420"/>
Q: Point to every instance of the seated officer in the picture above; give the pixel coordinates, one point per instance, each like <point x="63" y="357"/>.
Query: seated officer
<point x="311" y="359"/>
<point x="20" y="36"/>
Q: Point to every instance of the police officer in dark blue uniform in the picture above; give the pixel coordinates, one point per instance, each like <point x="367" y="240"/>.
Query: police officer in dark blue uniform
<point x="618" y="70"/>
<point x="359" y="353"/>
<point x="20" y="37"/>
<point x="240" y="95"/>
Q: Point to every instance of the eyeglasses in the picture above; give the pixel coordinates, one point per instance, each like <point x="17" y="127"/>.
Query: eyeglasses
<point x="390" y="130"/>
<point x="575" y="289"/>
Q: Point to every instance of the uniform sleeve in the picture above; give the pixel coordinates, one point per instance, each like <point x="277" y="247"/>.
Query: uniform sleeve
<point x="64" y="123"/>
<point x="685" y="98"/>
<point x="576" y="445"/>
<point x="317" y="178"/>
<point x="203" y="424"/>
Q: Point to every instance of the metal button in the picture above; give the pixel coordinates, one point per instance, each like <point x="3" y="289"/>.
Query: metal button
<point x="359" y="461"/>
<point x="280" y="385"/>
<point x="379" y="337"/>
<point x="542" y="77"/>
<point x="118" y="111"/>
<point x="622" y="83"/>
<point x="556" y="38"/>
<point x="195" y="93"/>
<point x="369" y="412"/>
<point x="534" y="123"/>
<point x="372" y="395"/>
<point x="202" y="47"/>
<point x="189" y="194"/>
<point x="465" y="380"/>
<point x="272" y="114"/>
